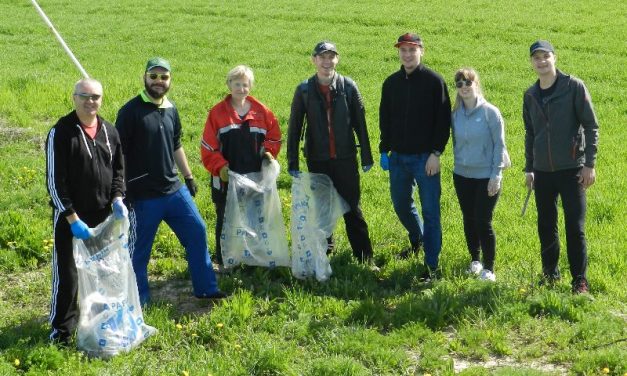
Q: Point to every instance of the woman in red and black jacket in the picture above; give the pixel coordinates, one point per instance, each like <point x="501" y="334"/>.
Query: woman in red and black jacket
<point x="239" y="132"/>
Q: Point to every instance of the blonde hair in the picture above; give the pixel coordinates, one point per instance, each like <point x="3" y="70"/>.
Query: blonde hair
<point x="241" y="71"/>
<point x="468" y="74"/>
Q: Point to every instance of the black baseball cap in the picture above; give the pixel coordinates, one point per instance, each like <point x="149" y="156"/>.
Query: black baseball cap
<point x="409" y="38"/>
<point x="541" y="45"/>
<point x="324" y="46"/>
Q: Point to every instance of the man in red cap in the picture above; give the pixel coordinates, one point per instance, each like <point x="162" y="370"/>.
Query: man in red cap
<point x="415" y="123"/>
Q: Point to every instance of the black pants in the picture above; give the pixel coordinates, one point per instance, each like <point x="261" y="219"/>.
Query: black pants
<point x="548" y="185"/>
<point x="477" y="211"/>
<point x="344" y="174"/>
<point x="63" y="307"/>
<point x="220" y="206"/>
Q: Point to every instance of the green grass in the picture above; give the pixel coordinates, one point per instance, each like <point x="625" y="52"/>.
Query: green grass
<point x="357" y="323"/>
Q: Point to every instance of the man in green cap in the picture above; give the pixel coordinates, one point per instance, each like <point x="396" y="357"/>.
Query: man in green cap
<point x="150" y="131"/>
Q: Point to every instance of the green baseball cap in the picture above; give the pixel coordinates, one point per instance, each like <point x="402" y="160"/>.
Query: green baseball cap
<point x="158" y="62"/>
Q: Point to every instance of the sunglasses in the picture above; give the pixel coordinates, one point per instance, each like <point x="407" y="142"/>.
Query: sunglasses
<point x="86" y="96"/>
<point x="459" y="84"/>
<point x="162" y="76"/>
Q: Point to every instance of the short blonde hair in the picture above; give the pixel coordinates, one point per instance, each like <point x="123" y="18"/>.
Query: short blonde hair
<point x="240" y="71"/>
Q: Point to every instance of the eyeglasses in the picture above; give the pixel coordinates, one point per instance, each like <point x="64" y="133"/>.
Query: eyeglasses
<point x="162" y="76"/>
<point x="459" y="84"/>
<point x="86" y="96"/>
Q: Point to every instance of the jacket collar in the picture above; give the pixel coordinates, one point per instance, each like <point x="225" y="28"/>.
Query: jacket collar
<point x="563" y="81"/>
<point x="480" y="102"/>
<point x="419" y="68"/>
<point x="332" y="85"/>
<point x="164" y="104"/>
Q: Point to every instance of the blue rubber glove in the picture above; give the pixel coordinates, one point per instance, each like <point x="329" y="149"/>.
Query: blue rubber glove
<point x="119" y="209"/>
<point x="294" y="173"/>
<point x="385" y="161"/>
<point x="366" y="168"/>
<point x="80" y="230"/>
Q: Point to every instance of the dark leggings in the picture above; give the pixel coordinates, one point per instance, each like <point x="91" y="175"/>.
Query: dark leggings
<point x="565" y="184"/>
<point x="477" y="210"/>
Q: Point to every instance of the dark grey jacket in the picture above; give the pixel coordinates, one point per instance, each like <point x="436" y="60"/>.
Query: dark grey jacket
<point x="349" y="119"/>
<point x="561" y="132"/>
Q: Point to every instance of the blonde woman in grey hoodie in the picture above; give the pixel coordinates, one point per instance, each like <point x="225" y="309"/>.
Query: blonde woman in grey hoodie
<point x="479" y="150"/>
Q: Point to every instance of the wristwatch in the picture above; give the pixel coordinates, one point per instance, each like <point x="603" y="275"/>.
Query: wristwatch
<point x="436" y="153"/>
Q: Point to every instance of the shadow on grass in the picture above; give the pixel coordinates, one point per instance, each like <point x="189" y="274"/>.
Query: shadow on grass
<point x="29" y="333"/>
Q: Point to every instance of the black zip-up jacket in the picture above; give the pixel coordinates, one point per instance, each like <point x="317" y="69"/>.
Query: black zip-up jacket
<point x="83" y="175"/>
<point x="150" y="135"/>
<point x="415" y="112"/>
<point x="349" y="119"/>
<point x="561" y="132"/>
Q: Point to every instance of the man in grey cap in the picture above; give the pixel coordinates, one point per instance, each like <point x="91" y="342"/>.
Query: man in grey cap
<point x="334" y="113"/>
<point x="560" y="155"/>
<point x="150" y="131"/>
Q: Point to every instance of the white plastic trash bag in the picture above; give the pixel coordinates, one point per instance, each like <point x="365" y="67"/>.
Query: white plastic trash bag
<point x="253" y="232"/>
<point x="111" y="319"/>
<point x="316" y="207"/>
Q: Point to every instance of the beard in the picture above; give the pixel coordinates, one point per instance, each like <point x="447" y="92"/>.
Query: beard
<point x="156" y="94"/>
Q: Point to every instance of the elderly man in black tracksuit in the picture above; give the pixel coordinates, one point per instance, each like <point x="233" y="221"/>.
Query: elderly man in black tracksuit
<point x="334" y="113"/>
<point x="85" y="180"/>
<point x="561" y="137"/>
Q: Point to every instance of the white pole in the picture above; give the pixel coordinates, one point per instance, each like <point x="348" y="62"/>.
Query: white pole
<point x="56" y="34"/>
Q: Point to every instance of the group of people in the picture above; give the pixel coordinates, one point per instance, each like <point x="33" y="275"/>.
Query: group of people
<point x="94" y="168"/>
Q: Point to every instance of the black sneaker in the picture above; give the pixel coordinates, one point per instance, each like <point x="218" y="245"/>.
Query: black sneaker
<point x="581" y="286"/>
<point x="216" y="295"/>
<point x="430" y="275"/>
<point x="330" y="245"/>
<point x="413" y="250"/>
<point x="549" y="280"/>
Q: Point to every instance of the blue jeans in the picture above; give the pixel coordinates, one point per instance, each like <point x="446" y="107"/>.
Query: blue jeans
<point x="406" y="171"/>
<point x="179" y="211"/>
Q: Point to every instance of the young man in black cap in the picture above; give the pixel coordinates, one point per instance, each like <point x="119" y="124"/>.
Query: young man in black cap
<point x="561" y="136"/>
<point x="150" y="130"/>
<point x="333" y="109"/>
<point x="415" y="123"/>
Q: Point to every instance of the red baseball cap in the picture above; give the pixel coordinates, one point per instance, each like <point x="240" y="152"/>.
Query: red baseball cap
<point x="409" y="38"/>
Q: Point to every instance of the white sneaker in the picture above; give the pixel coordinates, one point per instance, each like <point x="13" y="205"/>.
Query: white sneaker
<point x="475" y="268"/>
<point x="487" y="275"/>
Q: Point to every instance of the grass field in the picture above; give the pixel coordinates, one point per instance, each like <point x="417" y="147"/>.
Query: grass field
<point x="357" y="323"/>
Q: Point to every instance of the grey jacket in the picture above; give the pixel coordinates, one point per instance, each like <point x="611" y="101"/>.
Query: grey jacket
<point x="561" y="132"/>
<point x="478" y="141"/>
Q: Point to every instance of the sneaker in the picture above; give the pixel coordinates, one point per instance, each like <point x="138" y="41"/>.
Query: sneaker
<point x="580" y="286"/>
<point x="220" y="269"/>
<point x="216" y="295"/>
<point x="475" y="268"/>
<point x="549" y="280"/>
<point x="373" y="268"/>
<point x="413" y="250"/>
<point x="487" y="275"/>
<point x="429" y="275"/>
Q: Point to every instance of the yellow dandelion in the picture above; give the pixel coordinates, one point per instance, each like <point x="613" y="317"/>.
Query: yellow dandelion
<point x="237" y="347"/>
<point x="605" y="370"/>
<point x="522" y="290"/>
<point x="219" y="325"/>
<point x="179" y="326"/>
<point x="185" y="373"/>
<point x="16" y="362"/>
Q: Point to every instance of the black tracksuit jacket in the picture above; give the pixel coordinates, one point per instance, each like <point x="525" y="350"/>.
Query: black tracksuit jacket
<point x="83" y="175"/>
